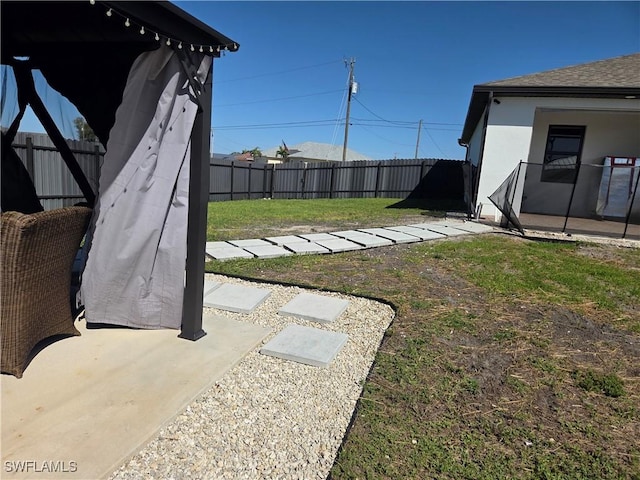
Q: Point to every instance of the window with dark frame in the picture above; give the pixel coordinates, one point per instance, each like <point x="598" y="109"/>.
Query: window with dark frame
<point x="562" y="153"/>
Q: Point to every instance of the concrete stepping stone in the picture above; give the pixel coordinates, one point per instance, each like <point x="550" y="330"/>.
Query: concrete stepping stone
<point x="307" y="345"/>
<point x="209" y="286"/>
<point x="367" y="240"/>
<point x="254" y="242"/>
<point x="422" y="233"/>
<point x="283" y="240"/>
<point x="218" y="245"/>
<point x="472" y="227"/>
<point x="268" y="251"/>
<point x="395" y="237"/>
<point x="316" y="308"/>
<point x="228" y="253"/>
<point x="336" y="245"/>
<point x="314" y="237"/>
<point x="442" y="228"/>
<point x="305" y="248"/>
<point x="236" y="298"/>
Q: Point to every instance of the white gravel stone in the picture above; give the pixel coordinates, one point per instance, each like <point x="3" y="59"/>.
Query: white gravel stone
<point x="269" y="418"/>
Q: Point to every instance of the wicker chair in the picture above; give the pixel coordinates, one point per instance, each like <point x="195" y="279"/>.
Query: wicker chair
<point x="37" y="253"/>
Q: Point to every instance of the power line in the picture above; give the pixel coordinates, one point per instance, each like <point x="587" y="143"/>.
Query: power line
<point x="436" y="145"/>
<point x="323" y="123"/>
<point x="380" y="118"/>
<point x="281" y="72"/>
<point x="409" y="123"/>
<point x="384" y="138"/>
<point x="278" y="99"/>
<point x="308" y="123"/>
<point x="343" y="103"/>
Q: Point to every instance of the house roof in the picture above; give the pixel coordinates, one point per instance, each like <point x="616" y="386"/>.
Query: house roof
<point x="621" y="72"/>
<point x="317" y="151"/>
<point x="617" y="77"/>
<point x="85" y="50"/>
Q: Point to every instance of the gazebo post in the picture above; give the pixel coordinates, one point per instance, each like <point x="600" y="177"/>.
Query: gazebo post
<point x="197" y="217"/>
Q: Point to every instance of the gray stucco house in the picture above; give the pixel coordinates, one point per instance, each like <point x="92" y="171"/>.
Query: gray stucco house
<point x="556" y="122"/>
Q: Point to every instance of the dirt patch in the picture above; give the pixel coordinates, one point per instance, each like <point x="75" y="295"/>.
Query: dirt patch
<point x="270" y="230"/>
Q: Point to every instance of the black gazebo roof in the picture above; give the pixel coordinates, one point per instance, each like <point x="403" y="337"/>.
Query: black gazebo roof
<point x="85" y="49"/>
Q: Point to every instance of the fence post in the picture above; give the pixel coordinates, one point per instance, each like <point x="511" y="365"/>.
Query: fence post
<point x="378" y="169"/>
<point x="304" y="180"/>
<point x="332" y="180"/>
<point x="573" y="191"/>
<point x="249" y="186"/>
<point x="232" y="172"/>
<point x="30" y="166"/>
<point x="633" y="199"/>
<point x="264" y="181"/>
<point x="273" y="179"/>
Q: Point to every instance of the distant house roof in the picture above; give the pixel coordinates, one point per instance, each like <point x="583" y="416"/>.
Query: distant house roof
<point x="317" y="151"/>
<point x="617" y="77"/>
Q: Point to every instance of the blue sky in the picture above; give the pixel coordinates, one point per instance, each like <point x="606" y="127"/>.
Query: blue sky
<point x="414" y="61"/>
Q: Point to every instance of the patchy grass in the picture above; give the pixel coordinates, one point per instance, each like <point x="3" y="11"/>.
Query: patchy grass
<point x="608" y="384"/>
<point x="552" y="272"/>
<point x="508" y="358"/>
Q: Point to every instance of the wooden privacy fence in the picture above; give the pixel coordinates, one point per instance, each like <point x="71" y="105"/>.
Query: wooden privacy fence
<point x="54" y="183"/>
<point x="425" y="178"/>
<point x="237" y="180"/>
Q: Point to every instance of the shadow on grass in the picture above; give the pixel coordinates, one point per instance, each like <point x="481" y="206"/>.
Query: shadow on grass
<point x="432" y="206"/>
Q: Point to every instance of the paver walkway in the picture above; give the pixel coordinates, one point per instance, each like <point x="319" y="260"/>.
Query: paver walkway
<point x="342" y="241"/>
<point x="310" y="345"/>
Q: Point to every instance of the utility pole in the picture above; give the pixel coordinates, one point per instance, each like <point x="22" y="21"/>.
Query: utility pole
<point x="418" y="141"/>
<point x="352" y="62"/>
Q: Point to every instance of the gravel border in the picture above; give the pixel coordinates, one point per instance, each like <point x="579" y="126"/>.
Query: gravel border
<point x="269" y="418"/>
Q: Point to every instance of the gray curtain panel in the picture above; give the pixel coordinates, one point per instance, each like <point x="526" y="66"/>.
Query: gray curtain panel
<point x="134" y="275"/>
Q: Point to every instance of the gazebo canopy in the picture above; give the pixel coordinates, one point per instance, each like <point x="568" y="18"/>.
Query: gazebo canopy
<point x="88" y="51"/>
<point x="85" y="49"/>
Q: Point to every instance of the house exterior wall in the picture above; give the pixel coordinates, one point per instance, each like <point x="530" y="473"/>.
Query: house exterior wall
<point x="507" y="141"/>
<point x="475" y="144"/>
<point x="517" y="130"/>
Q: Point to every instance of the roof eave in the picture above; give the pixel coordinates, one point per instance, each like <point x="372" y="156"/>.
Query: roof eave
<point x="481" y="94"/>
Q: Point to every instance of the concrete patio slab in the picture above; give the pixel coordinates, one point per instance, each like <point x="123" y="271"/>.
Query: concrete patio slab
<point x="285" y="239"/>
<point x="367" y="240"/>
<point x="236" y="298"/>
<point x="395" y="237"/>
<point x="337" y="245"/>
<point x="421" y="233"/>
<point x="228" y="253"/>
<point x="305" y="248"/>
<point x="307" y="345"/>
<point x="314" y="237"/>
<point x="254" y="242"/>
<point x="97" y="399"/>
<point x="316" y="308"/>
<point x="268" y="251"/>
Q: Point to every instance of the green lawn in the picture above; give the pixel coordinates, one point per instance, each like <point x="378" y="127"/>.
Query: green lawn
<point x="508" y="357"/>
<point x="241" y="219"/>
